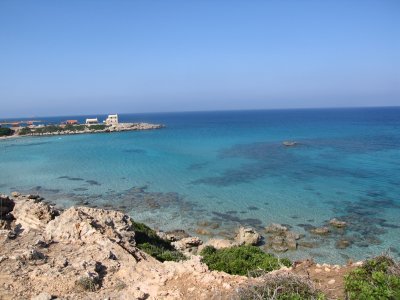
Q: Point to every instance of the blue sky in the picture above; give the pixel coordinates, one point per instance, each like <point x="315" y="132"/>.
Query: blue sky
<point x="78" y="57"/>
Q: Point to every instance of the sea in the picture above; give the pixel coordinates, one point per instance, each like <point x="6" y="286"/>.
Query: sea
<point x="210" y="172"/>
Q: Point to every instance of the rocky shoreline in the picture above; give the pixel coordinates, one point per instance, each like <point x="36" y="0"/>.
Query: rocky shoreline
<point x="92" y="253"/>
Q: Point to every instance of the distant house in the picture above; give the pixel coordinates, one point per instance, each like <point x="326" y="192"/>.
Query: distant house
<point x="92" y="121"/>
<point x="72" y="122"/>
<point x="112" y="120"/>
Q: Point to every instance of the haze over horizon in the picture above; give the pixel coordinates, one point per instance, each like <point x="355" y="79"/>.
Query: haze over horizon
<point x="95" y="57"/>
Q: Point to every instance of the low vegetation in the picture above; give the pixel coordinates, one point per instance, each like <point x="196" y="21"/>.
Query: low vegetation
<point x="242" y="260"/>
<point x="25" y="131"/>
<point x="87" y="284"/>
<point x="148" y="241"/>
<point x="70" y="127"/>
<point x="377" y="278"/>
<point x="6" y="131"/>
<point x="97" y="127"/>
<point x="57" y="128"/>
<point x="281" y="287"/>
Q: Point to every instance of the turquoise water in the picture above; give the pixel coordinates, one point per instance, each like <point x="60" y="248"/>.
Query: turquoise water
<point x="230" y="168"/>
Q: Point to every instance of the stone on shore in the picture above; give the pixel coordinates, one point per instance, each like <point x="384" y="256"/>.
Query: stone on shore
<point x="247" y="236"/>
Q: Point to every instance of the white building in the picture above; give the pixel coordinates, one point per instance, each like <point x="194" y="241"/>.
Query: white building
<point x="112" y="120"/>
<point x="92" y="121"/>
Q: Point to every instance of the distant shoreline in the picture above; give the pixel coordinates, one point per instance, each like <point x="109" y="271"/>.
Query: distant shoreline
<point x="51" y="130"/>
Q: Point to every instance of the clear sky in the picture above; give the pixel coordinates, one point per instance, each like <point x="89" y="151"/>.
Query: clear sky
<point x="93" y="56"/>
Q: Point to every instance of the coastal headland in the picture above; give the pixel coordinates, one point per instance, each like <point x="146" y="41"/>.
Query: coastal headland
<point x="93" y="253"/>
<point x="71" y="129"/>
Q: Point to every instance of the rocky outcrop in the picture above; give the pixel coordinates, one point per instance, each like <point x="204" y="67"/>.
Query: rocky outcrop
<point x="247" y="236"/>
<point x="106" y="228"/>
<point x="30" y="213"/>
<point x="89" y="253"/>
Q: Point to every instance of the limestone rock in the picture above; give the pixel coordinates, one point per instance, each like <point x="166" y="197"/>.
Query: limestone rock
<point x="187" y="243"/>
<point x="337" y="223"/>
<point x="15" y="194"/>
<point x="275" y="228"/>
<point x="320" y="230"/>
<point x="342" y="244"/>
<point x="93" y="225"/>
<point x="31" y="214"/>
<point x="176" y="235"/>
<point x="219" y="243"/>
<point x="247" y="236"/>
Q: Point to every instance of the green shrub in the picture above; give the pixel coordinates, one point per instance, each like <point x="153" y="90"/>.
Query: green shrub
<point x="97" y="127"/>
<point x="71" y="127"/>
<point x="284" y="286"/>
<point x="24" y="131"/>
<point x="377" y="278"/>
<point x="6" y="131"/>
<point x="49" y="129"/>
<point x="241" y="260"/>
<point x="148" y="241"/>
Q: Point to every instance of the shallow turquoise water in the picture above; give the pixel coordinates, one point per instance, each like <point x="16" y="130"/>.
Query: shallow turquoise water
<point x="230" y="168"/>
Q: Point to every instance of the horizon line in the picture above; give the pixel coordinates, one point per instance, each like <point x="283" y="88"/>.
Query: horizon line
<point x="205" y="110"/>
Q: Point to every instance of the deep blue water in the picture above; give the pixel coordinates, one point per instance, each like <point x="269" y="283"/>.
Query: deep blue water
<point x="230" y="168"/>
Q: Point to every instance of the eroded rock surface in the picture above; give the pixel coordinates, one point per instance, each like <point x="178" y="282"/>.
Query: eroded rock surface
<point x="89" y="253"/>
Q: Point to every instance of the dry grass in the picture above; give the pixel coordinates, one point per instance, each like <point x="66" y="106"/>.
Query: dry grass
<point x="280" y="286"/>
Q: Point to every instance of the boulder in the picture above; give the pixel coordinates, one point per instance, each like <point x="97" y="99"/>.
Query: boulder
<point x="219" y="243"/>
<point x="176" y="235"/>
<point x="6" y="205"/>
<point x="320" y="230"/>
<point x="275" y="228"/>
<point x="278" y="244"/>
<point x="187" y="243"/>
<point x="247" y="236"/>
<point x="337" y="223"/>
<point x="15" y="194"/>
<point x="284" y="241"/>
<point x="342" y="244"/>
